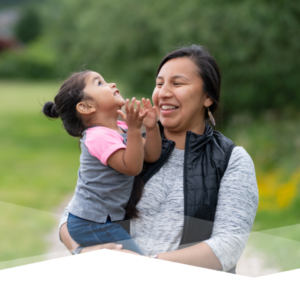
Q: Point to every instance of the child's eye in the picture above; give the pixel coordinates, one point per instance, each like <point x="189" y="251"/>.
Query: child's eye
<point x="99" y="83"/>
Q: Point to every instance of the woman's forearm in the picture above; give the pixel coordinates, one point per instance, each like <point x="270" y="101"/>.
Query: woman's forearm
<point x="200" y="255"/>
<point x="152" y="146"/>
<point x="66" y="238"/>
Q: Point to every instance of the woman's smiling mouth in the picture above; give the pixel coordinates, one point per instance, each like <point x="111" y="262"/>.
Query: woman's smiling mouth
<point x="167" y="108"/>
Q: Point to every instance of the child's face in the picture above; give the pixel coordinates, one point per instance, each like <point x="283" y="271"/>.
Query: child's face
<point x="105" y="94"/>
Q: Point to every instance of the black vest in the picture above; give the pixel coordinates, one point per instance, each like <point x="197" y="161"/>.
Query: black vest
<point x="205" y="162"/>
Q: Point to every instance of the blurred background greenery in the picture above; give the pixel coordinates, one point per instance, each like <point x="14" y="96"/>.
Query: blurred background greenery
<point x="256" y="44"/>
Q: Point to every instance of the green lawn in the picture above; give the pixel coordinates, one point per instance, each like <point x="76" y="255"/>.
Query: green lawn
<point x="39" y="163"/>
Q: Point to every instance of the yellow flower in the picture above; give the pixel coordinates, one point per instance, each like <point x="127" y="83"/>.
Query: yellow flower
<point x="275" y="194"/>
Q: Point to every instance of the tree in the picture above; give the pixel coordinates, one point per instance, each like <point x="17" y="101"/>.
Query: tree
<point x="28" y="27"/>
<point x="255" y="43"/>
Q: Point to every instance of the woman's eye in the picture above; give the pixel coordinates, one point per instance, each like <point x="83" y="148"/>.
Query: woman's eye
<point x="159" y="84"/>
<point x="177" y="83"/>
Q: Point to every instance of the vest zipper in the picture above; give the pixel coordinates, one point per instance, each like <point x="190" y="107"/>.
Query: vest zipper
<point x="184" y="186"/>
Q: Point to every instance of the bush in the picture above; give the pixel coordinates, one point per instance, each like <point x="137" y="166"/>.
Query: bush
<point x="255" y="43"/>
<point x="35" y="62"/>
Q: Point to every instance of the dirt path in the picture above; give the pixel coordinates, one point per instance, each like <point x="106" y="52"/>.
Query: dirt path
<point x="56" y="247"/>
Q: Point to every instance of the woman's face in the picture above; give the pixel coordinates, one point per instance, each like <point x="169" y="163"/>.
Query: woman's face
<point x="179" y="97"/>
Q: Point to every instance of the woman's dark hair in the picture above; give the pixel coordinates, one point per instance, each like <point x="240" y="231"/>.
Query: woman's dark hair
<point x="210" y="73"/>
<point x="64" y="105"/>
<point x="208" y="70"/>
<point x="136" y="194"/>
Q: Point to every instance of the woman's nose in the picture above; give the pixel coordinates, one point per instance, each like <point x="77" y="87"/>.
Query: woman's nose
<point x="164" y="91"/>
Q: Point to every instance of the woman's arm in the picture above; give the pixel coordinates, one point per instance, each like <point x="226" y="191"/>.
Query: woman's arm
<point x="152" y="143"/>
<point x="235" y="213"/>
<point x="200" y="255"/>
<point x="236" y="209"/>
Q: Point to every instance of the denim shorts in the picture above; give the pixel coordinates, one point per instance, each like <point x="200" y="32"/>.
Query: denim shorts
<point x="88" y="233"/>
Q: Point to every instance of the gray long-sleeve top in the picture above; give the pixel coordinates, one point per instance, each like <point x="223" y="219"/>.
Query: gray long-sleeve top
<point x="161" y="209"/>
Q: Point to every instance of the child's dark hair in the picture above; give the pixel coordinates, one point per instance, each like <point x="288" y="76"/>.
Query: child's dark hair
<point x="64" y="105"/>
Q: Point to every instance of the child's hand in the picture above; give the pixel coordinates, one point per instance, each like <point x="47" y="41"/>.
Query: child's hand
<point x="133" y="117"/>
<point x="150" y="120"/>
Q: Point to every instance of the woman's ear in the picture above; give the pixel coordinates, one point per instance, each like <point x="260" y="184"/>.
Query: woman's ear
<point x="208" y="102"/>
<point x="85" y="108"/>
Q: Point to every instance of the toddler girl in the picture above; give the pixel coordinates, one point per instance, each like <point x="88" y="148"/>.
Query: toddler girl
<point x="112" y="153"/>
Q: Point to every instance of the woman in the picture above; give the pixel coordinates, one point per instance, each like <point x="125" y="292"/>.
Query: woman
<point x="200" y="198"/>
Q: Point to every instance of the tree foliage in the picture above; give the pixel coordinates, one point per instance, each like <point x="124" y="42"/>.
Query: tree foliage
<point x="256" y="43"/>
<point x="28" y="27"/>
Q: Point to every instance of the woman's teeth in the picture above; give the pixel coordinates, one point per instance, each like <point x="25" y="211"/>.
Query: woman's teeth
<point x="166" y="107"/>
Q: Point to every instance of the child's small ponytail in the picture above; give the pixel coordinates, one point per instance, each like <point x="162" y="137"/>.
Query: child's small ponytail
<point x="49" y="110"/>
<point x="64" y="105"/>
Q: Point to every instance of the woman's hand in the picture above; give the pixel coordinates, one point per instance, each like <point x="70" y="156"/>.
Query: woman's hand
<point x="110" y="246"/>
<point x="152" y="143"/>
<point x="66" y="238"/>
<point x="150" y="120"/>
<point x="133" y="117"/>
<point x="72" y="245"/>
<point x="126" y="251"/>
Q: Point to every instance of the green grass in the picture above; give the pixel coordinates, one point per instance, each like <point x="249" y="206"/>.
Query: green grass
<point x="23" y="231"/>
<point x="39" y="158"/>
<point x="39" y="163"/>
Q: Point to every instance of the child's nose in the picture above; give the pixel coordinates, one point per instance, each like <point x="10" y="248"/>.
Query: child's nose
<point x="112" y="85"/>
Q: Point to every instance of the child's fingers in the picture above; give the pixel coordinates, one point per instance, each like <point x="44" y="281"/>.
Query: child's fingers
<point x="138" y="106"/>
<point x="145" y="104"/>
<point x="123" y="116"/>
<point x="131" y="107"/>
<point x="154" y="109"/>
<point x="127" y="106"/>
<point x="143" y="115"/>
<point x="142" y="109"/>
<point x="149" y="106"/>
